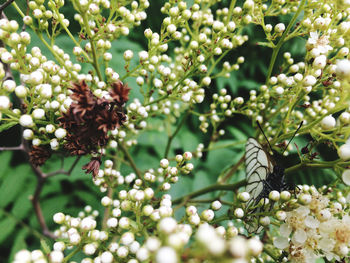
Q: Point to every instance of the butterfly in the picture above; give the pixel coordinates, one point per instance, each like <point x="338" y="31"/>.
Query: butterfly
<point x="262" y="175"/>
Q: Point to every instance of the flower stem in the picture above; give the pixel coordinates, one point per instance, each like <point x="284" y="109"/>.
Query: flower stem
<point x="129" y="158"/>
<point x="172" y="136"/>
<point x="280" y="42"/>
<point x="211" y="188"/>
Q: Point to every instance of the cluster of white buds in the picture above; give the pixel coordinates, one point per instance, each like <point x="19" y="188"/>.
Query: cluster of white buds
<point x="215" y="245"/>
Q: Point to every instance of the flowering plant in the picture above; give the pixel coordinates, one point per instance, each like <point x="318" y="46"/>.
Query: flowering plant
<point x="157" y="127"/>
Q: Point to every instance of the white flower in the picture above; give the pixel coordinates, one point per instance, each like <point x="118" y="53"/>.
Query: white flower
<point x="321" y="43"/>
<point x="281" y="242"/>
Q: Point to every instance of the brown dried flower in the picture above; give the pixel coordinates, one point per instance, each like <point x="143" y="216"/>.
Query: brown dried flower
<point x="38" y="155"/>
<point x="89" y="119"/>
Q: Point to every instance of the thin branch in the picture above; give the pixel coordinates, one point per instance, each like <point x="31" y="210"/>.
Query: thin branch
<point x="171" y="137"/>
<point x="130" y="160"/>
<point x="62" y="171"/>
<point x="13" y="148"/>
<point x="233" y="170"/>
<point x="211" y="188"/>
<point x="6" y="4"/>
<point x="41" y="177"/>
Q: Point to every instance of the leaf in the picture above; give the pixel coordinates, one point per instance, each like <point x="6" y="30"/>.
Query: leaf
<point x="19" y="243"/>
<point x="5" y="158"/>
<point x="23" y="206"/>
<point x="6" y="227"/>
<point x="7" y="125"/>
<point x="13" y="184"/>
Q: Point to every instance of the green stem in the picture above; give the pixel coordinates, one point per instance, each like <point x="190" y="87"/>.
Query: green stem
<point x="269" y="252"/>
<point x="280" y="42"/>
<point x="171" y="137"/>
<point x="70" y="255"/>
<point x="211" y="188"/>
<point x="314" y="165"/>
<point x="93" y="49"/>
<point x="129" y="158"/>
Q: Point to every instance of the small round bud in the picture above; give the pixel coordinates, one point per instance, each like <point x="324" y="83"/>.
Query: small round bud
<point x="344" y="152"/>
<point x="328" y="122"/>
<point x="285" y="195"/>
<point x="239" y="213"/>
<point x="216" y="205"/>
<point x="26" y="120"/>
<point x="59" y="218"/>
<point x="244" y="197"/>
<point x="164" y="163"/>
<point x="304" y="199"/>
<point x="274" y="195"/>
<point x="280" y="27"/>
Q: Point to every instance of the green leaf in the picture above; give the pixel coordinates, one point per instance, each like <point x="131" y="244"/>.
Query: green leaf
<point x="7" y="226"/>
<point x="7" y="125"/>
<point x="5" y="158"/>
<point x="23" y="206"/>
<point x="13" y="184"/>
<point x="19" y="243"/>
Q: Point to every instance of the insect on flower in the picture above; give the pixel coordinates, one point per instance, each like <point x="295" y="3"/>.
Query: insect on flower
<point x="261" y="174"/>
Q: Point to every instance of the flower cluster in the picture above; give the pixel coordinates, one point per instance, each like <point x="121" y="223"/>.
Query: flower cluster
<point x="319" y="228"/>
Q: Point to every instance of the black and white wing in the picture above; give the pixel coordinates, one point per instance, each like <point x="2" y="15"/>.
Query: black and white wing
<point x="258" y="166"/>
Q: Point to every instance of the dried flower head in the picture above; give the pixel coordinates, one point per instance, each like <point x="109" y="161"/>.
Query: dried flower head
<point x="89" y="119"/>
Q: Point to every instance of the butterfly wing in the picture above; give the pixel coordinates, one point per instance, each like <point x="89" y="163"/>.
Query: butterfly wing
<point x="258" y="166"/>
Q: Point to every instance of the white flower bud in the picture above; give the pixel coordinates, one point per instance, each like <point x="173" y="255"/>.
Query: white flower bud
<point x="255" y="246"/>
<point x="28" y="134"/>
<point x="274" y="195"/>
<point x="9" y="85"/>
<point x="107" y="257"/>
<point x="26" y="120"/>
<point x="59" y="218"/>
<point x="280" y="27"/>
<point x="216" y="205"/>
<point x="285" y="195"/>
<point x="112" y="222"/>
<point x="166" y="255"/>
<point x="304" y="199"/>
<point x="38" y="114"/>
<point x="328" y="122"/>
<point x="56" y="256"/>
<point x="89" y="249"/>
<point x="106" y="201"/>
<point x="309" y="80"/>
<point x="281" y="215"/>
<point x="345" y="117"/>
<point x="343" y="68"/>
<point x="143" y="55"/>
<point x="346" y="177"/>
<point x="4" y="103"/>
<point x="128" y="54"/>
<point x="244" y="196"/>
<point x="320" y="62"/>
<point x="239" y="213"/>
